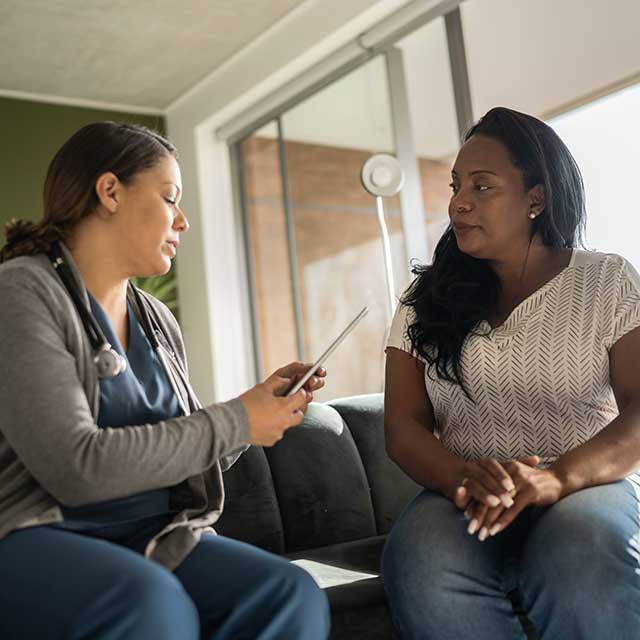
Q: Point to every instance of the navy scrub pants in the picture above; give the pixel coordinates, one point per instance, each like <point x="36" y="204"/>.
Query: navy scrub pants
<point x="56" y="583"/>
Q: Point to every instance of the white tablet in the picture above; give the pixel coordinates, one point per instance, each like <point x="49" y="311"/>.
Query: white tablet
<point x="334" y="345"/>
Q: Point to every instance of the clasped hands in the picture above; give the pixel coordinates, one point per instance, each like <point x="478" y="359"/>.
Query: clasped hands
<point x="494" y="493"/>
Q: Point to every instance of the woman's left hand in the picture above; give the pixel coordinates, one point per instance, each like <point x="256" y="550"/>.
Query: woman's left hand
<point x="296" y="370"/>
<point x="532" y="486"/>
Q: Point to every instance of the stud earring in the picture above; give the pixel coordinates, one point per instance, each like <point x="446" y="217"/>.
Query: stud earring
<point x="532" y="215"/>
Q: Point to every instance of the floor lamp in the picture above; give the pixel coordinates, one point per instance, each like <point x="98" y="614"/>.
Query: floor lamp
<point x="382" y="176"/>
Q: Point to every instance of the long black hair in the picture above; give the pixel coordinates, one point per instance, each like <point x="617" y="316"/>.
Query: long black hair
<point x="452" y="295"/>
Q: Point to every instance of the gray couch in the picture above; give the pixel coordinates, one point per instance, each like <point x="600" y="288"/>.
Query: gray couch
<point x="326" y="496"/>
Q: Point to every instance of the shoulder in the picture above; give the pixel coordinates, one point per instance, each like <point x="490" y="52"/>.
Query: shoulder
<point x="34" y="275"/>
<point x="34" y="298"/>
<point x="27" y="270"/>
<point x="612" y="269"/>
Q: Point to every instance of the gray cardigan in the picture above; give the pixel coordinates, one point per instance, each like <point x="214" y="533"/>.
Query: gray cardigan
<point x="53" y="453"/>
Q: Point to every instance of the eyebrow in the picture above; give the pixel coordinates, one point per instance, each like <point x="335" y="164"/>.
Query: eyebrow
<point x="473" y="173"/>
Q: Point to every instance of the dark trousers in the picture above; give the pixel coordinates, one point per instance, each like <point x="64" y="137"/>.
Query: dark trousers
<point x="56" y="583"/>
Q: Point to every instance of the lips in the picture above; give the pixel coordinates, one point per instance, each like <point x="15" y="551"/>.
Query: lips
<point x="462" y="227"/>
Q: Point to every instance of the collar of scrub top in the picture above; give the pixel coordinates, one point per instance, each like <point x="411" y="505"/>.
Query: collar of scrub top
<point x="161" y="345"/>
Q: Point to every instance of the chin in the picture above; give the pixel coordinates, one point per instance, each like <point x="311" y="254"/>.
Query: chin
<point x="158" y="268"/>
<point x="164" y="269"/>
<point x="469" y="248"/>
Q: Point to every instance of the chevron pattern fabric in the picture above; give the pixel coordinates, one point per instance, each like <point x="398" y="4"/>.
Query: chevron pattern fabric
<point x="540" y="381"/>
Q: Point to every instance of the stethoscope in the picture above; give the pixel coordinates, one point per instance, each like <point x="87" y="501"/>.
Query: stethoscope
<point x="109" y="363"/>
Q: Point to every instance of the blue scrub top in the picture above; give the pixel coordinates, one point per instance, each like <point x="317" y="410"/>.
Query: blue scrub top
<point x="140" y="395"/>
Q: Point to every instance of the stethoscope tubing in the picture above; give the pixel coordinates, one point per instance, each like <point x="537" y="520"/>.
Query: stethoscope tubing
<point x="162" y="356"/>
<point x="151" y="329"/>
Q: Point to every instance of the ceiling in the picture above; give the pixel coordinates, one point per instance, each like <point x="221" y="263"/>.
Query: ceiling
<point x="534" y="55"/>
<point x="139" y="53"/>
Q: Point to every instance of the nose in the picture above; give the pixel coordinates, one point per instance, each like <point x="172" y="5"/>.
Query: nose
<point x="459" y="204"/>
<point x="180" y="222"/>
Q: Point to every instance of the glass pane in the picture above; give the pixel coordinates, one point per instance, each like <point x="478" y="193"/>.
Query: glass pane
<point x="268" y="249"/>
<point x="433" y="119"/>
<point x="340" y="262"/>
<point x="597" y="133"/>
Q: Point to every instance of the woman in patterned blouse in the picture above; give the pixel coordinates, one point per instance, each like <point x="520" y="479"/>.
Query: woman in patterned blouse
<point x="513" y="396"/>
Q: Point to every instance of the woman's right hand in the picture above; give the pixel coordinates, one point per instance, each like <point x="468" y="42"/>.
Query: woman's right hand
<point x="485" y="481"/>
<point x="270" y="412"/>
<point x="478" y="497"/>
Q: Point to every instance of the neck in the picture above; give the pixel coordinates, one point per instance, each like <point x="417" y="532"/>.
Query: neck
<point x="523" y="265"/>
<point x="100" y="268"/>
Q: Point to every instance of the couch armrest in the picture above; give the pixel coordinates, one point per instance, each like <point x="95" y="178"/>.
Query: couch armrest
<point x="320" y="482"/>
<point x="391" y="488"/>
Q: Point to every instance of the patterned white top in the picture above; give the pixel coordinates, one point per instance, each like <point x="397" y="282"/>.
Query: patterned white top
<point x="540" y="380"/>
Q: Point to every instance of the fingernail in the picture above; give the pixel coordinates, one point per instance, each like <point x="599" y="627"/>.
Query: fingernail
<point x="507" y="501"/>
<point x="493" y="501"/>
<point x="473" y="525"/>
<point x="467" y="514"/>
<point x="495" y="529"/>
<point x="508" y="485"/>
<point x="482" y="536"/>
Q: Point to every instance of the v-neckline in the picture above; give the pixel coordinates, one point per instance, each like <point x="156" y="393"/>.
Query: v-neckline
<point x="130" y="332"/>
<point x="518" y="311"/>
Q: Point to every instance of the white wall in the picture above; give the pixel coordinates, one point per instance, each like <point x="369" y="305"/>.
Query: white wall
<point x="537" y="55"/>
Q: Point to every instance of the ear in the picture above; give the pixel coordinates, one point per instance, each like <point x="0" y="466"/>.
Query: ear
<point x="108" y="191"/>
<point x="536" y="201"/>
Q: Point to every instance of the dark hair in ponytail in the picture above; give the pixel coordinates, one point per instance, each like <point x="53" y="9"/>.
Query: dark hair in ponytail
<point x="452" y="295"/>
<point x="69" y="188"/>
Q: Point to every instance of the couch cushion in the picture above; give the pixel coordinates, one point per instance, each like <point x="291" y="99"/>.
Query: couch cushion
<point x="391" y="488"/>
<point x="320" y="483"/>
<point x="251" y="511"/>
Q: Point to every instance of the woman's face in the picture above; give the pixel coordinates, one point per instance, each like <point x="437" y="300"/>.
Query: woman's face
<point x="150" y="220"/>
<point x="489" y="208"/>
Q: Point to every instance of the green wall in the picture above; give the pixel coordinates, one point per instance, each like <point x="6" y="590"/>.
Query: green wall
<point x="31" y="134"/>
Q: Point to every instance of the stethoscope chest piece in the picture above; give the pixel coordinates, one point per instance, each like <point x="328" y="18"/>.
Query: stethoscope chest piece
<point x="109" y="363"/>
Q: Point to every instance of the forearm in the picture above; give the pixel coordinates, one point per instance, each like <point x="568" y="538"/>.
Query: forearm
<point x="609" y="456"/>
<point x="79" y="463"/>
<point x="423" y="457"/>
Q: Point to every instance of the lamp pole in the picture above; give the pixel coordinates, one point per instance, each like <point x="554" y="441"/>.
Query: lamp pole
<point x="382" y="176"/>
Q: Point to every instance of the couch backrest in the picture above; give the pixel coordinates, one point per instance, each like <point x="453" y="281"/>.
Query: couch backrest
<point x="327" y="481"/>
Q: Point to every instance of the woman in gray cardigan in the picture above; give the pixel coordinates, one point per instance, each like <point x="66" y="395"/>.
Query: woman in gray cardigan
<point x="107" y="460"/>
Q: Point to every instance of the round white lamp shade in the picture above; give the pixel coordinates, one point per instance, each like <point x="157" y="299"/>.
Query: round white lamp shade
<point x="382" y="175"/>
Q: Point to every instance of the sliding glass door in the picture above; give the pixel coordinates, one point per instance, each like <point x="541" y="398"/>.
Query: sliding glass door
<point x="313" y="238"/>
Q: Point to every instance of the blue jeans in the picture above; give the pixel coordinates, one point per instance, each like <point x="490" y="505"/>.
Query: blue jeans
<point x="56" y="583"/>
<point x="575" y="565"/>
